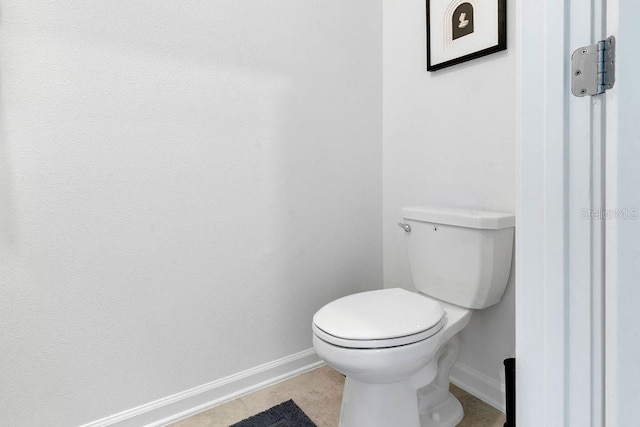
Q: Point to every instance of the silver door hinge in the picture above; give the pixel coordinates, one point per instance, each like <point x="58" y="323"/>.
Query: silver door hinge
<point x="593" y="68"/>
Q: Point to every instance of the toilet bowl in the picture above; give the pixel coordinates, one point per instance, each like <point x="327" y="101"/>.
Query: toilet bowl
<point x="384" y="375"/>
<point x="396" y="347"/>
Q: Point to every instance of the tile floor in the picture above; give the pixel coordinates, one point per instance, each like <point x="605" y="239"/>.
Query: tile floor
<point x="319" y="393"/>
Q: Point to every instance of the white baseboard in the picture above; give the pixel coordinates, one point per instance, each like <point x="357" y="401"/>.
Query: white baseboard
<point x="478" y="384"/>
<point x="190" y="402"/>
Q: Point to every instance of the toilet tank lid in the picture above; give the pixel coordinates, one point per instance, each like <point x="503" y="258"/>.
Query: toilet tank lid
<point x="461" y="217"/>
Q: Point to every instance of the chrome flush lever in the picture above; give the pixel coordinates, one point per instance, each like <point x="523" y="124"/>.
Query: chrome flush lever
<point x="405" y="227"/>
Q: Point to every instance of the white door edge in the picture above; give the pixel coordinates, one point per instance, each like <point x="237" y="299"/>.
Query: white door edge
<point x="559" y="255"/>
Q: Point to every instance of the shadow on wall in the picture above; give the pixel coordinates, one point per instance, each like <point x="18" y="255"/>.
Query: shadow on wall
<point x="7" y="208"/>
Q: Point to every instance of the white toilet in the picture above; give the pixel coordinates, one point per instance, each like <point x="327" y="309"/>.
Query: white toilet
<point x="396" y="347"/>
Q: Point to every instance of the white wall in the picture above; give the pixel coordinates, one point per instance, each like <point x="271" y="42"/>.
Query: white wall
<point x="182" y="185"/>
<point x="449" y="139"/>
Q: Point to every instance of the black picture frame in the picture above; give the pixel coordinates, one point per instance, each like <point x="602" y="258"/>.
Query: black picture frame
<point x="466" y="18"/>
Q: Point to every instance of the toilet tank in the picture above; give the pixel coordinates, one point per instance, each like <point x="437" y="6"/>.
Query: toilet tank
<point x="461" y="256"/>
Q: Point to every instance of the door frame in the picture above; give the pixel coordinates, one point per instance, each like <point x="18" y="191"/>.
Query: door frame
<point x="559" y="241"/>
<point x="622" y="295"/>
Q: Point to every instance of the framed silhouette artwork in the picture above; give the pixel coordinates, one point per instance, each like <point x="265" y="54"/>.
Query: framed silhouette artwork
<point x="462" y="30"/>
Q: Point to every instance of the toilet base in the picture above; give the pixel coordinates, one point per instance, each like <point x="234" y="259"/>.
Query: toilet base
<point x="384" y="404"/>
<point x="438" y="407"/>
<point x="448" y="413"/>
<point x="422" y="400"/>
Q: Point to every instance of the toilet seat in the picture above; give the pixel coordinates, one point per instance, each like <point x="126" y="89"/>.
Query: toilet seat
<point x="379" y="344"/>
<point x="379" y="319"/>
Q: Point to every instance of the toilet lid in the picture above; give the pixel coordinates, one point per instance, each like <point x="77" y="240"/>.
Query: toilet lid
<point x="384" y="314"/>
